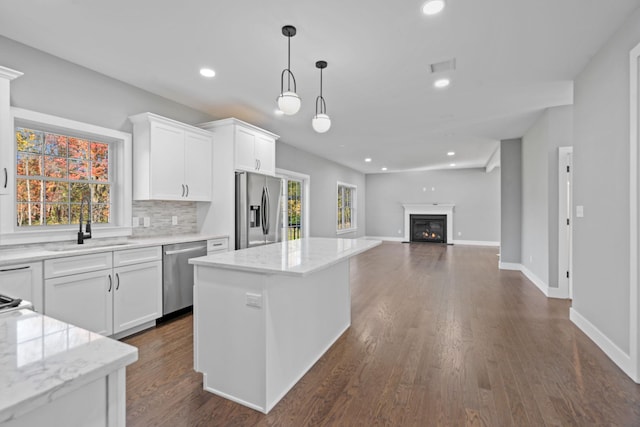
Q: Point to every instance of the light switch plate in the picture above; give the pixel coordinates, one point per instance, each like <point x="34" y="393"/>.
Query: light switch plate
<point x="254" y="300"/>
<point x="147" y="221"/>
<point x="135" y="222"/>
<point x="174" y="220"/>
<point x="580" y="211"/>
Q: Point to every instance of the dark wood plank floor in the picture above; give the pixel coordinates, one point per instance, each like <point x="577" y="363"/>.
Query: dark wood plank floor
<point x="439" y="336"/>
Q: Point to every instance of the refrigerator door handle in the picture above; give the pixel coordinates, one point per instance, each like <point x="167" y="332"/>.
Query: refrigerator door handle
<point x="267" y="214"/>
<point x="263" y="208"/>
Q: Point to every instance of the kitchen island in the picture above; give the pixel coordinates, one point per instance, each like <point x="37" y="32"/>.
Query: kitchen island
<point x="54" y="373"/>
<point x="264" y="315"/>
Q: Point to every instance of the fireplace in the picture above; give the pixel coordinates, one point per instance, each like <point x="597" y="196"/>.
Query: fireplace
<point x="428" y="228"/>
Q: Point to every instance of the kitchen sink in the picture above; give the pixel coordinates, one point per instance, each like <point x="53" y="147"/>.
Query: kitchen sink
<point x="66" y="247"/>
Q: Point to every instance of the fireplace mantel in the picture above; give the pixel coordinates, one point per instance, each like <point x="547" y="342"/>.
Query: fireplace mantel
<point x="428" y="209"/>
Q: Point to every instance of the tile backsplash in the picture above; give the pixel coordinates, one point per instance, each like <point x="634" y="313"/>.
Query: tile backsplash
<point x="160" y="213"/>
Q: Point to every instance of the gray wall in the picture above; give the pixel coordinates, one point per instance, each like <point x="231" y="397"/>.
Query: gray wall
<point x="511" y="200"/>
<point x="324" y="176"/>
<point x="475" y="193"/>
<point x="540" y="191"/>
<point x="601" y="185"/>
<point x="54" y="86"/>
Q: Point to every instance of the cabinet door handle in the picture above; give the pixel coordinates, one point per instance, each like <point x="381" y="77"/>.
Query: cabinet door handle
<point x="6" y="178"/>
<point x="182" y="190"/>
<point x="187" y="195"/>
<point x="117" y="281"/>
<point x="15" y="269"/>
<point x="259" y="164"/>
<point x="110" y="283"/>
<point x="217" y="244"/>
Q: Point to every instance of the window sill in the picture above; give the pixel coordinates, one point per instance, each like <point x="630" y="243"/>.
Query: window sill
<point x="346" y="231"/>
<point x="48" y="236"/>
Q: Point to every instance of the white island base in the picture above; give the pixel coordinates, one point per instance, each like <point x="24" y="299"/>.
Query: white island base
<point x="258" y="327"/>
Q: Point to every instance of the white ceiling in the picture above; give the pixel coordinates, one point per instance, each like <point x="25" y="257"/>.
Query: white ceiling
<point x="514" y="59"/>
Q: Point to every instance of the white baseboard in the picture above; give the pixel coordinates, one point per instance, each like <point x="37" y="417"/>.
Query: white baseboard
<point x="617" y="355"/>
<point x="455" y="242"/>
<point x="476" y="243"/>
<point x="385" y="238"/>
<point x="540" y="284"/>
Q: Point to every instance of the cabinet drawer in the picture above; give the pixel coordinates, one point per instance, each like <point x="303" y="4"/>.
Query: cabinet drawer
<point x="136" y="256"/>
<point x="59" y="267"/>
<point x="217" y="245"/>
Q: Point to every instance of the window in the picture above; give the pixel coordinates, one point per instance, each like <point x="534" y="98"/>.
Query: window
<point x="294" y="209"/>
<point x="55" y="173"/>
<point x="56" y="164"/>
<point x="346" y="208"/>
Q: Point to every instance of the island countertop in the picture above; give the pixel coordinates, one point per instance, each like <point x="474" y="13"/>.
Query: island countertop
<point x="294" y="257"/>
<point x="41" y="357"/>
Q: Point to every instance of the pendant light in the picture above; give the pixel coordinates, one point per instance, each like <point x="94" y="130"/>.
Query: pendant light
<point x="321" y="122"/>
<point x="288" y="101"/>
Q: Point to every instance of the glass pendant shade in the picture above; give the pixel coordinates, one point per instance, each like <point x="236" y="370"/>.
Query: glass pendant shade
<point x="321" y="123"/>
<point x="289" y="103"/>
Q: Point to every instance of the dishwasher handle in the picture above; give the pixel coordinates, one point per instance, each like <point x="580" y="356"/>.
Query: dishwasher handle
<point x="182" y="251"/>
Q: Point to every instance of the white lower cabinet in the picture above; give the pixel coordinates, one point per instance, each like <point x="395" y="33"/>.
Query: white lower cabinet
<point x="111" y="300"/>
<point x="23" y="281"/>
<point x="84" y="300"/>
<point x="138" y="295"/>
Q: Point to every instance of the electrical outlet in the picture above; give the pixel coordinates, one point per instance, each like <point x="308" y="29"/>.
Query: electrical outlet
<point x="174" y="220"/>
<point x="399" y="231"/>
<point x="147" y="221"/>
<point x="135" y="222"/>
<point x="254" y="300"/>
<point x="459" y="233"/>
<point x="530" y="258"/>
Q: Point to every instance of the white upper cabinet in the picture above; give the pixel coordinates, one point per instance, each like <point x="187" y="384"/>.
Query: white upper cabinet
<point x="172" y="160"/>
<point x="254" y="149"/>
<point x="7" y="135"/>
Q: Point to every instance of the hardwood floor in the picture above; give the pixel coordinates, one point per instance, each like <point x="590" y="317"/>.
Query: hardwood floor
<point x="439" y="336"/>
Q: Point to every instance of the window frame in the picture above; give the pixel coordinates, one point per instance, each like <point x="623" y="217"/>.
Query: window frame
<point x="353" y="206"/>
<point x="121" y="187"/>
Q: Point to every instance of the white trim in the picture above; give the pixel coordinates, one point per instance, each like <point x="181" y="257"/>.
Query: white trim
<point x="494" y="160"/>
<point x="122" y="184"/>
<point x="617" y="355"/>
<point x="565" y="231"/>
<point x="475" y="243"/>
<point x="306" y="198"/>
<point x="354" y="208"/>
<point x="548" y="291"/>
<point x="384" y="238"/>
<point x="9" y="74"/>
<point x="634" y="142"/>
<point x="428" y="209"/>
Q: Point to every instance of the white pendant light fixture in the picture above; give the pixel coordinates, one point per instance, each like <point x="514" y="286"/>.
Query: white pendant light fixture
<point x="288" y="101"/>
<point x="433" y="7"/>
<point x="321" y="122"/>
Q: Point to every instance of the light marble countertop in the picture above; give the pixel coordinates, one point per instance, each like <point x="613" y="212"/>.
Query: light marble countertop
<point x="41" y="357"/>
<point x="293" y="258"/>
<point x="31" y="253"/>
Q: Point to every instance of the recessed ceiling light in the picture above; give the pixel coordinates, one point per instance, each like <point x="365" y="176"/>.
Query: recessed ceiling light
<point x="368" y="159"/>
<point x="440" y="83"/>
<point x="432" y="7"/>
<point x="451" y="153"/>
<point x="278" y="112"/>
<point x="452" y="164"/>
<point x="207" y="72"/>
<point x="384" y="168"/>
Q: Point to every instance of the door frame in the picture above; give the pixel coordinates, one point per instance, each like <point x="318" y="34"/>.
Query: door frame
<point x="634" y="185"/>
<point x="565" y="206"/>
<point x="306" y="204"/>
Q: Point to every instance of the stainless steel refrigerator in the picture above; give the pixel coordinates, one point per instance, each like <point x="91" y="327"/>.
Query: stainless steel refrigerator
<point x="259" y="210"/>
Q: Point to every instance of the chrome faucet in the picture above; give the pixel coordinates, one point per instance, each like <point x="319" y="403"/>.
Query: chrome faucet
<point x="86" y="235"/>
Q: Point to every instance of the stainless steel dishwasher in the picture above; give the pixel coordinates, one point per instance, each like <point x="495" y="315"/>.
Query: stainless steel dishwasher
<point x="177" y="274"/>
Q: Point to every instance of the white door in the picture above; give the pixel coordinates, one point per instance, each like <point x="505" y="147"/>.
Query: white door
<point x="138" y="295"/>
<point x="83" y="300"/>
<point x="167" y="162"/>
<point x="565" y="221"/>
<point x="245" y="158"/>
<point x="265" y="152"/>
<point x="197" y="166"/>
<point x="23" y="281"/>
